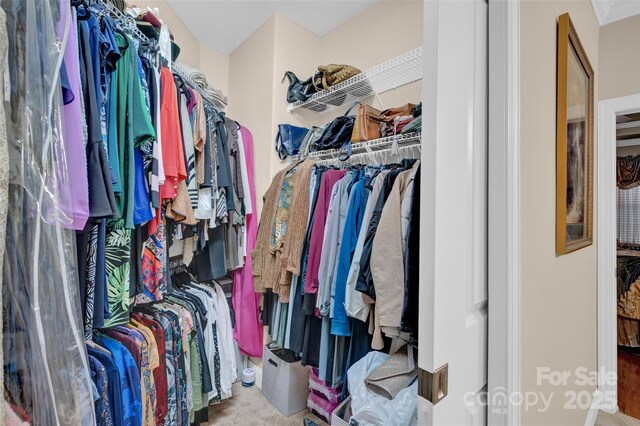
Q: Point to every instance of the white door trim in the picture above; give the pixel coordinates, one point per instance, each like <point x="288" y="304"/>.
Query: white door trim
<point x="453" y="306"/>
<point x="504" y="211"/>
<point x="607" y="319"/>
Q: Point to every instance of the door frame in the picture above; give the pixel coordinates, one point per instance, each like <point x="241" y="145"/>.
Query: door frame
<point x="504" y="212"/>
<point x="606" y="219"/>
<point x="503" y="246"/>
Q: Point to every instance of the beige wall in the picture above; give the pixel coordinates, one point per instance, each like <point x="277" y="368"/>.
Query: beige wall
<point x="215" y="65"/>
<point x="296" y="48"/>
<point x="620" y="58"/>
<point x="258" y="98"/>
<point x="251" y="86"/>
<point x="558" y="292"/>
<point x="361" y="42"/>
<point x="386" y="29"/>
<point x="358" y="43"/>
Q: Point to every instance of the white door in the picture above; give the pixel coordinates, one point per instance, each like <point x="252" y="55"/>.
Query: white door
<point x="453" y="288"/>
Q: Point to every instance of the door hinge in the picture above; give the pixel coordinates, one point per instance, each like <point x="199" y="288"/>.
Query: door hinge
<point x="433" y="386"/>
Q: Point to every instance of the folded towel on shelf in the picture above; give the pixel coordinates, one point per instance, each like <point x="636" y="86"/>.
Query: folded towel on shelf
<point x="198" y="77"/>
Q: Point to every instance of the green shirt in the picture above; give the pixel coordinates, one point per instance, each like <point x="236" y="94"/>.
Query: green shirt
<point x="133" y="123"/>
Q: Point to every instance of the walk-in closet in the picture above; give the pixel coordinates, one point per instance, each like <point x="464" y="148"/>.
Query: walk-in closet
<point x="223" y="212"/>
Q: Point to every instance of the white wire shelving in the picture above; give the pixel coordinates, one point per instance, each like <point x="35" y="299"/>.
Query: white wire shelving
<point x="389" y="75"/>
<point x="375" y="145"/>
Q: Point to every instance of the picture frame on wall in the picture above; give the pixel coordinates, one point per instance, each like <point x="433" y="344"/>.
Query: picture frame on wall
<point x="574" y="141"/>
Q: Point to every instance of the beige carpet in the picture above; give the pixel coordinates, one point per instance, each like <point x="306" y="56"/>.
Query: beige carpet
<point x="248" y="406"/>
<point x="618" y="419"/>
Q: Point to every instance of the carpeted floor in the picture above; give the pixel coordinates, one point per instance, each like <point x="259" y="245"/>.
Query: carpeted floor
<point x="248" y="406"/>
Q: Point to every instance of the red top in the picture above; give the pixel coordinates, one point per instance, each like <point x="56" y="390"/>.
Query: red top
<point x="172" y="151"/>
<point x="160" y="373"/>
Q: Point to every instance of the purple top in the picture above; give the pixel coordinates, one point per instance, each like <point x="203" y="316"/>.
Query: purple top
<point x="76" y="201"/>
<point x="192" y="100"/>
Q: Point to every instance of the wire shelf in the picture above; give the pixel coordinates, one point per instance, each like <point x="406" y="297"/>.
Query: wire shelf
<point x="389" y="75"/>
<point x="374" y="145"/>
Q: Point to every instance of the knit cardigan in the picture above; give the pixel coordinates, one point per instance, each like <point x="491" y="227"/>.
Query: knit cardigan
<point x="291" y="248"/>
<point x="261" y="251"/>
<point x="261" y="257"/>
<point x="273" y="268"/>
<point x="298" y="218"/>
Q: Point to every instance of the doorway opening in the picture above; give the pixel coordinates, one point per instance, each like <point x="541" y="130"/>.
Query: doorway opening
<point x="628" y="261"/>
<point x="619" y="255"/>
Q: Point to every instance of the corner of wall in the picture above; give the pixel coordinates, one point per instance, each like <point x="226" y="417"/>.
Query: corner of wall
<point x="215" y="65"/>
<point x="257" y="96"/>
<point x="251" y="81"/>
<point x="295" y="49"/>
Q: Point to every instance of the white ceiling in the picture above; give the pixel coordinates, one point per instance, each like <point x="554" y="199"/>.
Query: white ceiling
<point x="609" y="11"/>
<point x="226" y="24"/>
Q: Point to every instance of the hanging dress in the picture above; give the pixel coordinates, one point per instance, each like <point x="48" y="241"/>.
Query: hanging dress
<point x="246" y="302"/>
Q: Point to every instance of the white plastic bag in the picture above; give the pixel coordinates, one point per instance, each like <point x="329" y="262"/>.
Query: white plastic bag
<point x="371" y="409"/>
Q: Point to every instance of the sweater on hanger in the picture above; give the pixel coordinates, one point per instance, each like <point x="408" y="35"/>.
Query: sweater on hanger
<point x="293" y="241"/>
<point x="261" y="258"/>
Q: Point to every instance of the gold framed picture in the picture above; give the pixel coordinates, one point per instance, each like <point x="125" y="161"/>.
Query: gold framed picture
<point x="574" y="142"/>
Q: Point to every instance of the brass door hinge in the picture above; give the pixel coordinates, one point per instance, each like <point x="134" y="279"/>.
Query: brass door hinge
<point x="433" y="386"/>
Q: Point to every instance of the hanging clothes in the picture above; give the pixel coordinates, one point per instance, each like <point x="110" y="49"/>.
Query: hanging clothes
<point x="133" y="160"/>
<point x="387" y="256"/>
<point x="355" y="266"/>
<point x="246" y="302"/>
<point x="74" y="134"/>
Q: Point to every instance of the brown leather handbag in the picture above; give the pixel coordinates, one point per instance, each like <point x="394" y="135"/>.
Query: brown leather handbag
<point x="388" y="119"/>
<point x="367" y="125"/>
<point x="390" y="114"/>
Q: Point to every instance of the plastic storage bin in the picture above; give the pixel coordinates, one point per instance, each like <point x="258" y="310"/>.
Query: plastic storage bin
<point x="284" y="384"/>
<point x="342" y="413"/>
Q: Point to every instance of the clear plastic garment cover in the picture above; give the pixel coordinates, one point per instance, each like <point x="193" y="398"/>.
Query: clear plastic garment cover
<point x="46" y="370"/>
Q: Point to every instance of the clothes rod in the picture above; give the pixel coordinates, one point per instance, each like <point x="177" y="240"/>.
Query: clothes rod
<point x="375" y="145"/>
<point x="375" y="155"/>
<point x="117" y="14"/>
